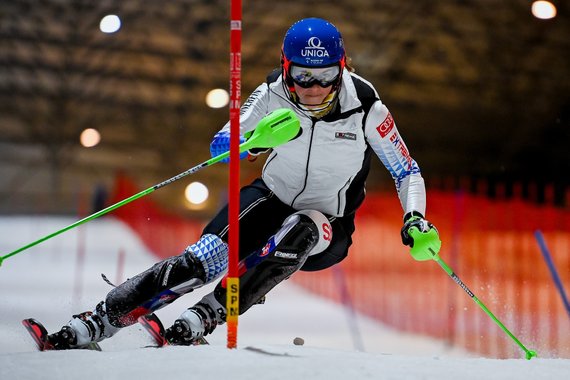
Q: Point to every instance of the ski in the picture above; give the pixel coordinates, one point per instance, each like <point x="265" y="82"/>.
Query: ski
<point x="40" y="336"/>
<point x="155" y="328"/>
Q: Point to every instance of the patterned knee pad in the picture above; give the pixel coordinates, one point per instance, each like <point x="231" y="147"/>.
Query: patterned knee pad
<point x="212" y="252"/>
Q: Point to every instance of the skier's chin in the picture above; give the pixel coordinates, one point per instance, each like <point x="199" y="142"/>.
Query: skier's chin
<point x="312" y="103"/>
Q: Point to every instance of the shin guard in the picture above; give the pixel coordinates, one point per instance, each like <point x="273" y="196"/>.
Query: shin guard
<point x="303" y="234"/>
<point x="167" y="280"/>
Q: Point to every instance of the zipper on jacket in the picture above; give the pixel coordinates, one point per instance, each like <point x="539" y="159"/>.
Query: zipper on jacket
<point x="313" y="122"/>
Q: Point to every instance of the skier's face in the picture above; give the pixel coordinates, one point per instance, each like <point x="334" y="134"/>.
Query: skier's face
<point x="312" y="96"/>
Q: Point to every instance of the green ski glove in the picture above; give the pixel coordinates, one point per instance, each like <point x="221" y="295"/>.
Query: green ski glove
<point x="421" y="236"/>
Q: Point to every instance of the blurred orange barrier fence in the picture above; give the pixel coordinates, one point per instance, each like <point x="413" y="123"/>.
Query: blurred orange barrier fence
<point x="489" y="243"/>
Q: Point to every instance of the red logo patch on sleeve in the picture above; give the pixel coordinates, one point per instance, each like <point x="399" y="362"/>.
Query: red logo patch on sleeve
<point x="386" y="126"/>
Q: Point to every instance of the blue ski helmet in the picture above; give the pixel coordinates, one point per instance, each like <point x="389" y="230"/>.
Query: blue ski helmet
<point x="312" y="42"/>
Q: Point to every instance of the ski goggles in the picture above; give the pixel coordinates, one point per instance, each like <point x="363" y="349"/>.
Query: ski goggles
<point x="308" y="76"/>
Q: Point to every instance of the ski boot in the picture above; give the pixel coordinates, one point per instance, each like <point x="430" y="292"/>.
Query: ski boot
<point x="64" y="339"/>
<point x="83" y="331"/>
<point x="196" y="322"/>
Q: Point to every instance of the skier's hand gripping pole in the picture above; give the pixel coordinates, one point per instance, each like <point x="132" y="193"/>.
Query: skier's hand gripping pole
<point x="425" y="246"/>
<point x="273" y="130"/>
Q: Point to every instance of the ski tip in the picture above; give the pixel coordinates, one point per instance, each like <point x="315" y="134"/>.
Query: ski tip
<point x="37" y="331"/>
<point x="151" y="319"/>
<point x="34" y="326"/>
<point x="154" y="327"/>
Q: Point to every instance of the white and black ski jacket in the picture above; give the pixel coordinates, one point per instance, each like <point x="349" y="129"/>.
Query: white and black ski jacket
<point x="325" y="168"/>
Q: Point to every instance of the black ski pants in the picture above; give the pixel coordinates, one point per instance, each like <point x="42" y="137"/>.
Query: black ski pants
<point x="261" y="216"/>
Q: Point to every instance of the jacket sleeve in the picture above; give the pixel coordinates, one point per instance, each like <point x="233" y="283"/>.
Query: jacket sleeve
<point x="253" y="110"/>
<point x="384" y="138"/>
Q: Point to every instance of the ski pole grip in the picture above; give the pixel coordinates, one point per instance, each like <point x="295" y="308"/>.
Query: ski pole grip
<point x="426" y="245"/>
<point x="276" y="128"/>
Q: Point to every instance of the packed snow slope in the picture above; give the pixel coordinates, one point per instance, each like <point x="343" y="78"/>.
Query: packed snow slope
<point x="61" y="277"/>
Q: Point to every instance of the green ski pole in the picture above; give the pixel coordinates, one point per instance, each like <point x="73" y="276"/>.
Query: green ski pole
<point x="426" y="246"/>
<point x="275" y="129"/>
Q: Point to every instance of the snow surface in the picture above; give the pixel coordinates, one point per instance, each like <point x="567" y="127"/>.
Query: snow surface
<point x="61" y="276"/>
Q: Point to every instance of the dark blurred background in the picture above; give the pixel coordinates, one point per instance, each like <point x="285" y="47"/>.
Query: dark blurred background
<point x="480" y="90"/>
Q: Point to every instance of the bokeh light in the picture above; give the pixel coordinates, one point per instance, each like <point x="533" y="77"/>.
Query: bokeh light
<point x="90" y="137"/>
<point x="196" y="193"/>
<point x="110" y="24"/>
<point x="543" y="10"/>
<point x="217" y="98"/>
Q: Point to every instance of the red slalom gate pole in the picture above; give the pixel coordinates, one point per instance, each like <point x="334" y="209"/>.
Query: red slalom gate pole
<point x="232" y="298"/>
